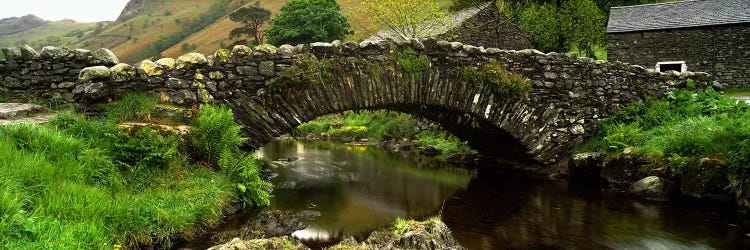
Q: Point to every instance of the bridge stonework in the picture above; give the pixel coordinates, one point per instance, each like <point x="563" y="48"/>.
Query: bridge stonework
<point x="568" y="95"/>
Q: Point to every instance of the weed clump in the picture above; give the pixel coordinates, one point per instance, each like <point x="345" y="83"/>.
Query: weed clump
<point x="503" y="83"/>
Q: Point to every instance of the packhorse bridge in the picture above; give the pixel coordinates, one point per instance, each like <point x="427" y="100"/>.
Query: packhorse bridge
<point x="273" y="90"/>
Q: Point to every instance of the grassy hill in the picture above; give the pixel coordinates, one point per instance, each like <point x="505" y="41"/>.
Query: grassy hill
<point x="170" y="28"/>
<point x="38" y="32"/>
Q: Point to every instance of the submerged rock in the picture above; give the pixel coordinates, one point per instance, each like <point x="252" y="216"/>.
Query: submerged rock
<point x="270" y="224"/>
<point x="430" y="151"/>
<point x="652" y="188"/>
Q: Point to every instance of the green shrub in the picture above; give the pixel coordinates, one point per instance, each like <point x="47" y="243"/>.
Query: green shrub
<point x="304" y="71"/>
<point x="622" y="136"/>
<point x="132" y="107"/>
<point x="350" y="131"/>
<point x="400" y="226"/>
<point x="503" y="83"/>
<point x="146" y="150"/>
<point x="311" y="128"/>
<point x="411" y="62"/>
<point x="215" y="132"/>
<point x="244" y="170"/>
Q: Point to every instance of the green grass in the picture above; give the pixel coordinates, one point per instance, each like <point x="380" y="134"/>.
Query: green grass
<point x="379" y="125"/>
<point x="680" y="129"/>
<point x="82" y="183"/>
<point x="132" y="107"/>
<point x="737" y="91"/>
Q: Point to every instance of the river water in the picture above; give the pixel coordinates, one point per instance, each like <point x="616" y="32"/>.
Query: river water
<point x="358" y="189"/>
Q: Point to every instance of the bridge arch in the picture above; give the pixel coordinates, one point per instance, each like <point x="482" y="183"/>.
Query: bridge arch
<point x="567" y="94"/>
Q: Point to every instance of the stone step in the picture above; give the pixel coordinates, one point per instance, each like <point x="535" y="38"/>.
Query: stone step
<point x="14" y="111"/>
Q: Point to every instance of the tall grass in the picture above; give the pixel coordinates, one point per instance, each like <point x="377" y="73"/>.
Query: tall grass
<point x="81" y="183"/>
<point x="681" y="128"/>
<point x="60" y="191"/>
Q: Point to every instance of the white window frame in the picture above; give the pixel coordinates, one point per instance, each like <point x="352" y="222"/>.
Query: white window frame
<point x="683" y="69"/>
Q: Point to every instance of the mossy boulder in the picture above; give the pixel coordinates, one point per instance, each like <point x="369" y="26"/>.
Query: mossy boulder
<point x="652" y="188"/>
<point x="626" y="168"/>
<point x="266" y="49"/>
<point x="55" y="53"/>
<point x="708" y="178"/>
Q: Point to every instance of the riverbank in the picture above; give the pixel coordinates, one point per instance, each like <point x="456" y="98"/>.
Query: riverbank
<point x="391" y="131"/>
<point x="693" y="142"/>
<point x="87" y="183"/>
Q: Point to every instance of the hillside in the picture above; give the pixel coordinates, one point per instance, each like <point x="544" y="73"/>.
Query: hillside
<point x="13" y="25"/>
<point x="170" y="28"/>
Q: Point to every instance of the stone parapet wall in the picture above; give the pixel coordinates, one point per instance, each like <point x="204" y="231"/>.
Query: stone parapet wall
<point x="567" y="96"/>
<point x="723" y="51"/>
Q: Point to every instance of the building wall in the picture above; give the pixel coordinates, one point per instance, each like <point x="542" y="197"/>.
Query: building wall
<point x="723" y="51"/>
<point x="489" y="29"/>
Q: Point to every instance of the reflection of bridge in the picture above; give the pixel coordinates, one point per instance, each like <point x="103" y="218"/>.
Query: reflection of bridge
<point x="568" y="93"/>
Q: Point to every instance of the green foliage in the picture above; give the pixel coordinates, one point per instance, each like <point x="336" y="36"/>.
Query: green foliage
<point x="349" y="132"/>
<point x="563" y="25"/>
<point x="244" y="170"/>
<point x="146" y="149"/>
<point x="217" y="139"/>
<point x="400" y="226"/>
<point x="216" y="132"/>
<point x="540" y="23"/>
<point x="132" y="107"/>
<point x="304" y="71"/>
<point x="457" y="5"/>
<point x="442" y="140"/>
<point x="167" y="12"/>
<point x="307" y="21"/>
<point x="251" y="18"/>
<point x="407" y="19"/>
<point x="411" y="62"/>
<point x="503" y="83"/>
<point x="583" y="25"/>
<point x="684" y="126"/>
<point x="60" y="190"/>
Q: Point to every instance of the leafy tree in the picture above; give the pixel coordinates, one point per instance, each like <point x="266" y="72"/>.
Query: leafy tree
<point x="540" y="23"/>
<point x="251" y="18"/>
<point x="306" y="21"/>
<point x="583" y="25"/>
<point x="407" y="19"/>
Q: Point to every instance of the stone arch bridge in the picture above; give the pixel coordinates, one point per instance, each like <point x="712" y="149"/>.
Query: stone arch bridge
<point x="567" y="95"/>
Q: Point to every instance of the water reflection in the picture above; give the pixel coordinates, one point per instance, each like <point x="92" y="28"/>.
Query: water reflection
<point x="357" y="189"/>
<point x="498" y="212"/>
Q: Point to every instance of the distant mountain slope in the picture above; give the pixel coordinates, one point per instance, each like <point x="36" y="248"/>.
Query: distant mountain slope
<point x="13" y="25"/>
<point x="170" y="28"/>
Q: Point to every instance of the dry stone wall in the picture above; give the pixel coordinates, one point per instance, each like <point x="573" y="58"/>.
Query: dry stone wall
<point x="568" y="95"/>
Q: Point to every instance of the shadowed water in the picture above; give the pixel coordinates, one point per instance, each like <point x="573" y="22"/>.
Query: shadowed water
<point x="358" y="189"/>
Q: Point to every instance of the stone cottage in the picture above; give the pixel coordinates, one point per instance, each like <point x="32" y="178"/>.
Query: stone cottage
<point x="700" y="35"/>
<point x="483" y="25"/>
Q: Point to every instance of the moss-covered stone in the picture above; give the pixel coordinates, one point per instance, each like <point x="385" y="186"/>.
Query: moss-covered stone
<point x="216" y="75"/>
<point x="151" y="69"/>
<point x="708" y="178"/>
<point x="624" y="169"/>
<point x="266" y="49"/>
<point x="222" y="56"/>
<point x="241" y="52"/>
<point x="190" y="59"/>
<point x="96" y="72"/>
<point x="106" y="56"/>
<point x="123" y="72"/>
<point x="204" y="96"/>
<point x="166" y="63"/>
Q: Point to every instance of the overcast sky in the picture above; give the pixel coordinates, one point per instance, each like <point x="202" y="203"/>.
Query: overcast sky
<point x="54" y="10"/>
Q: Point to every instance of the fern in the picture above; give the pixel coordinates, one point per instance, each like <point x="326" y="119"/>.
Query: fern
<point x="216" y="132"/>
<point x="244" y="171"/>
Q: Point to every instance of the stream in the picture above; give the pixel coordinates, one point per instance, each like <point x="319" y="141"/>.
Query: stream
<point x="359" y="189"/>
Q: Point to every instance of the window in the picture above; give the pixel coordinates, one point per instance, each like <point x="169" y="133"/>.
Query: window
<point x="678" y="66"/>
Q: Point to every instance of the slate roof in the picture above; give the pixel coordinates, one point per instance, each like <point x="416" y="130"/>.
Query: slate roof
<point x="675" y="15"/>
<point x="456" y="19"/>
